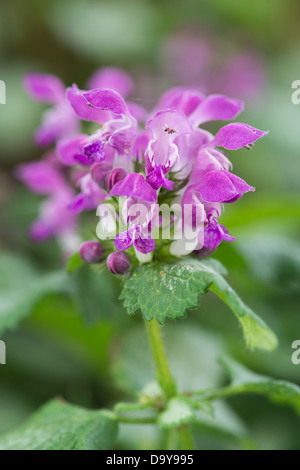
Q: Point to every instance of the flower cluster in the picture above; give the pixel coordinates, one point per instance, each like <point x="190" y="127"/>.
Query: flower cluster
<point x="143" y="158"/>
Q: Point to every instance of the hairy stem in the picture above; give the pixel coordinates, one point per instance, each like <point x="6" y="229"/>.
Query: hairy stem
<point x="163" y="373"/>
<point x="164" y="376"/>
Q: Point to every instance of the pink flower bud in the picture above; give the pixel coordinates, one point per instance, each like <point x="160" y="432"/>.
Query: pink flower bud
<point x="99" y="172"/>
<point x="114" y="177"/>
<point x="91" y="252"/>
<point x="118" y="263"/>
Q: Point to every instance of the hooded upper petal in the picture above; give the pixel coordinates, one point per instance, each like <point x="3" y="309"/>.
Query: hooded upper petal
<point x="44" y="87"/>
<point x="236" y="135"/>
<point x="96" y="105"/>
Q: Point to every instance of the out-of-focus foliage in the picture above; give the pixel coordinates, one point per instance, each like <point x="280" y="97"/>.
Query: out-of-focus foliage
<point x="75" y="340"/>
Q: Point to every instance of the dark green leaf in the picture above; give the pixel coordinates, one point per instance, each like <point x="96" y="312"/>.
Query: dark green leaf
<point x="167" y="290"/>
<point x="60" y="426"/>
<point x="22" y="287"/>
<point x="246" y="381"/>
<point x="74" y="262"/>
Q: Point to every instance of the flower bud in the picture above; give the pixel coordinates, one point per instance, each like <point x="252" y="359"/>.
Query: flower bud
<point x="118" y="262"/>
<point x="91" y="252"/>
<point x="114" y="176"/>
<point x="99" y="172"/>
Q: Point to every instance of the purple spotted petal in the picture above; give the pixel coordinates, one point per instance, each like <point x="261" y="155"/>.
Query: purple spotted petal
<point x="170" y="123"/>
<point x="113" y="78"/>
<point x="222" y="186"/>
<point x="68" y="148"/>
<point x="216" y="107"/>
<point x="123" y="241"/>
<point x="144" y="245"/>
<point x="214" y="234"/>
<point x="96" y="105"/>
<point x="44" y="87"/>
<point x="235" y="136"/>
<point x="156" y="179"/>
<point x="134" y="185"/>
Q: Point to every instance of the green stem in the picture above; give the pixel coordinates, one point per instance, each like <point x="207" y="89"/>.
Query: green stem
<point x="164" y="376"/>
<point x="163" y="373"/>
<point x="185" y="438"/>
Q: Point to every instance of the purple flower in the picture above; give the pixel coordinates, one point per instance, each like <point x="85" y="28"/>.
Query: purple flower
<point x="96" y="105"/>
<point x="90" y="196"/>
<point x="108" y="108"/>
<point x="165" y="127"/>
<point x="136" y="236"/>
<point x="118" y="263"/>
<point x="214" y="233"/>
<point x="134" y="162"/>
<point x="41" y="177"/>
<point x="60" y="120"/>
<point x="156" y="178"/>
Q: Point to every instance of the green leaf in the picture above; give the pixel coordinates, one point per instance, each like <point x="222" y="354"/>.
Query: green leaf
<point x="94" y="293"/>
<point x="74" y="262"/>
<point x="21" y="287"/>
<point x="60" y="426"/>
<point x="179" y="411"/>
<point x="168" y="290"/>
<point x="273" y="260"/>
<point x="246" y="381"/>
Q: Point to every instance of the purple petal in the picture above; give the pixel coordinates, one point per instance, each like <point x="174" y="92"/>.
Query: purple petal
<point x="137" y="111"/>
<point x="113" y="78"/>
<point x="156" y="179"/>
<point x="68" y="148"/>
<point x="41" y="177"/>
<point x="77" y="204"/>
<point x="214" y="234"/>
<point x="44" y="87"/>
<point x="182" y="99"/>
<point x="222" y="186"/>
<point x="144" y="245"/>
<point x="235" y="136"/>
<point x="58" y="122"/>
<point x="40" y="231"/>
<point x="169" y="122"/>
<point x="134" y="185"/>
<point x="123" y="241"/>
<point x="96" y="105"/>
<point x="121" y="133"/>
<point x="216" y="107"/>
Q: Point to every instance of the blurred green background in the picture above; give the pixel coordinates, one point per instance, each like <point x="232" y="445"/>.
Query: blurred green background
<point x="80" y="344"/>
